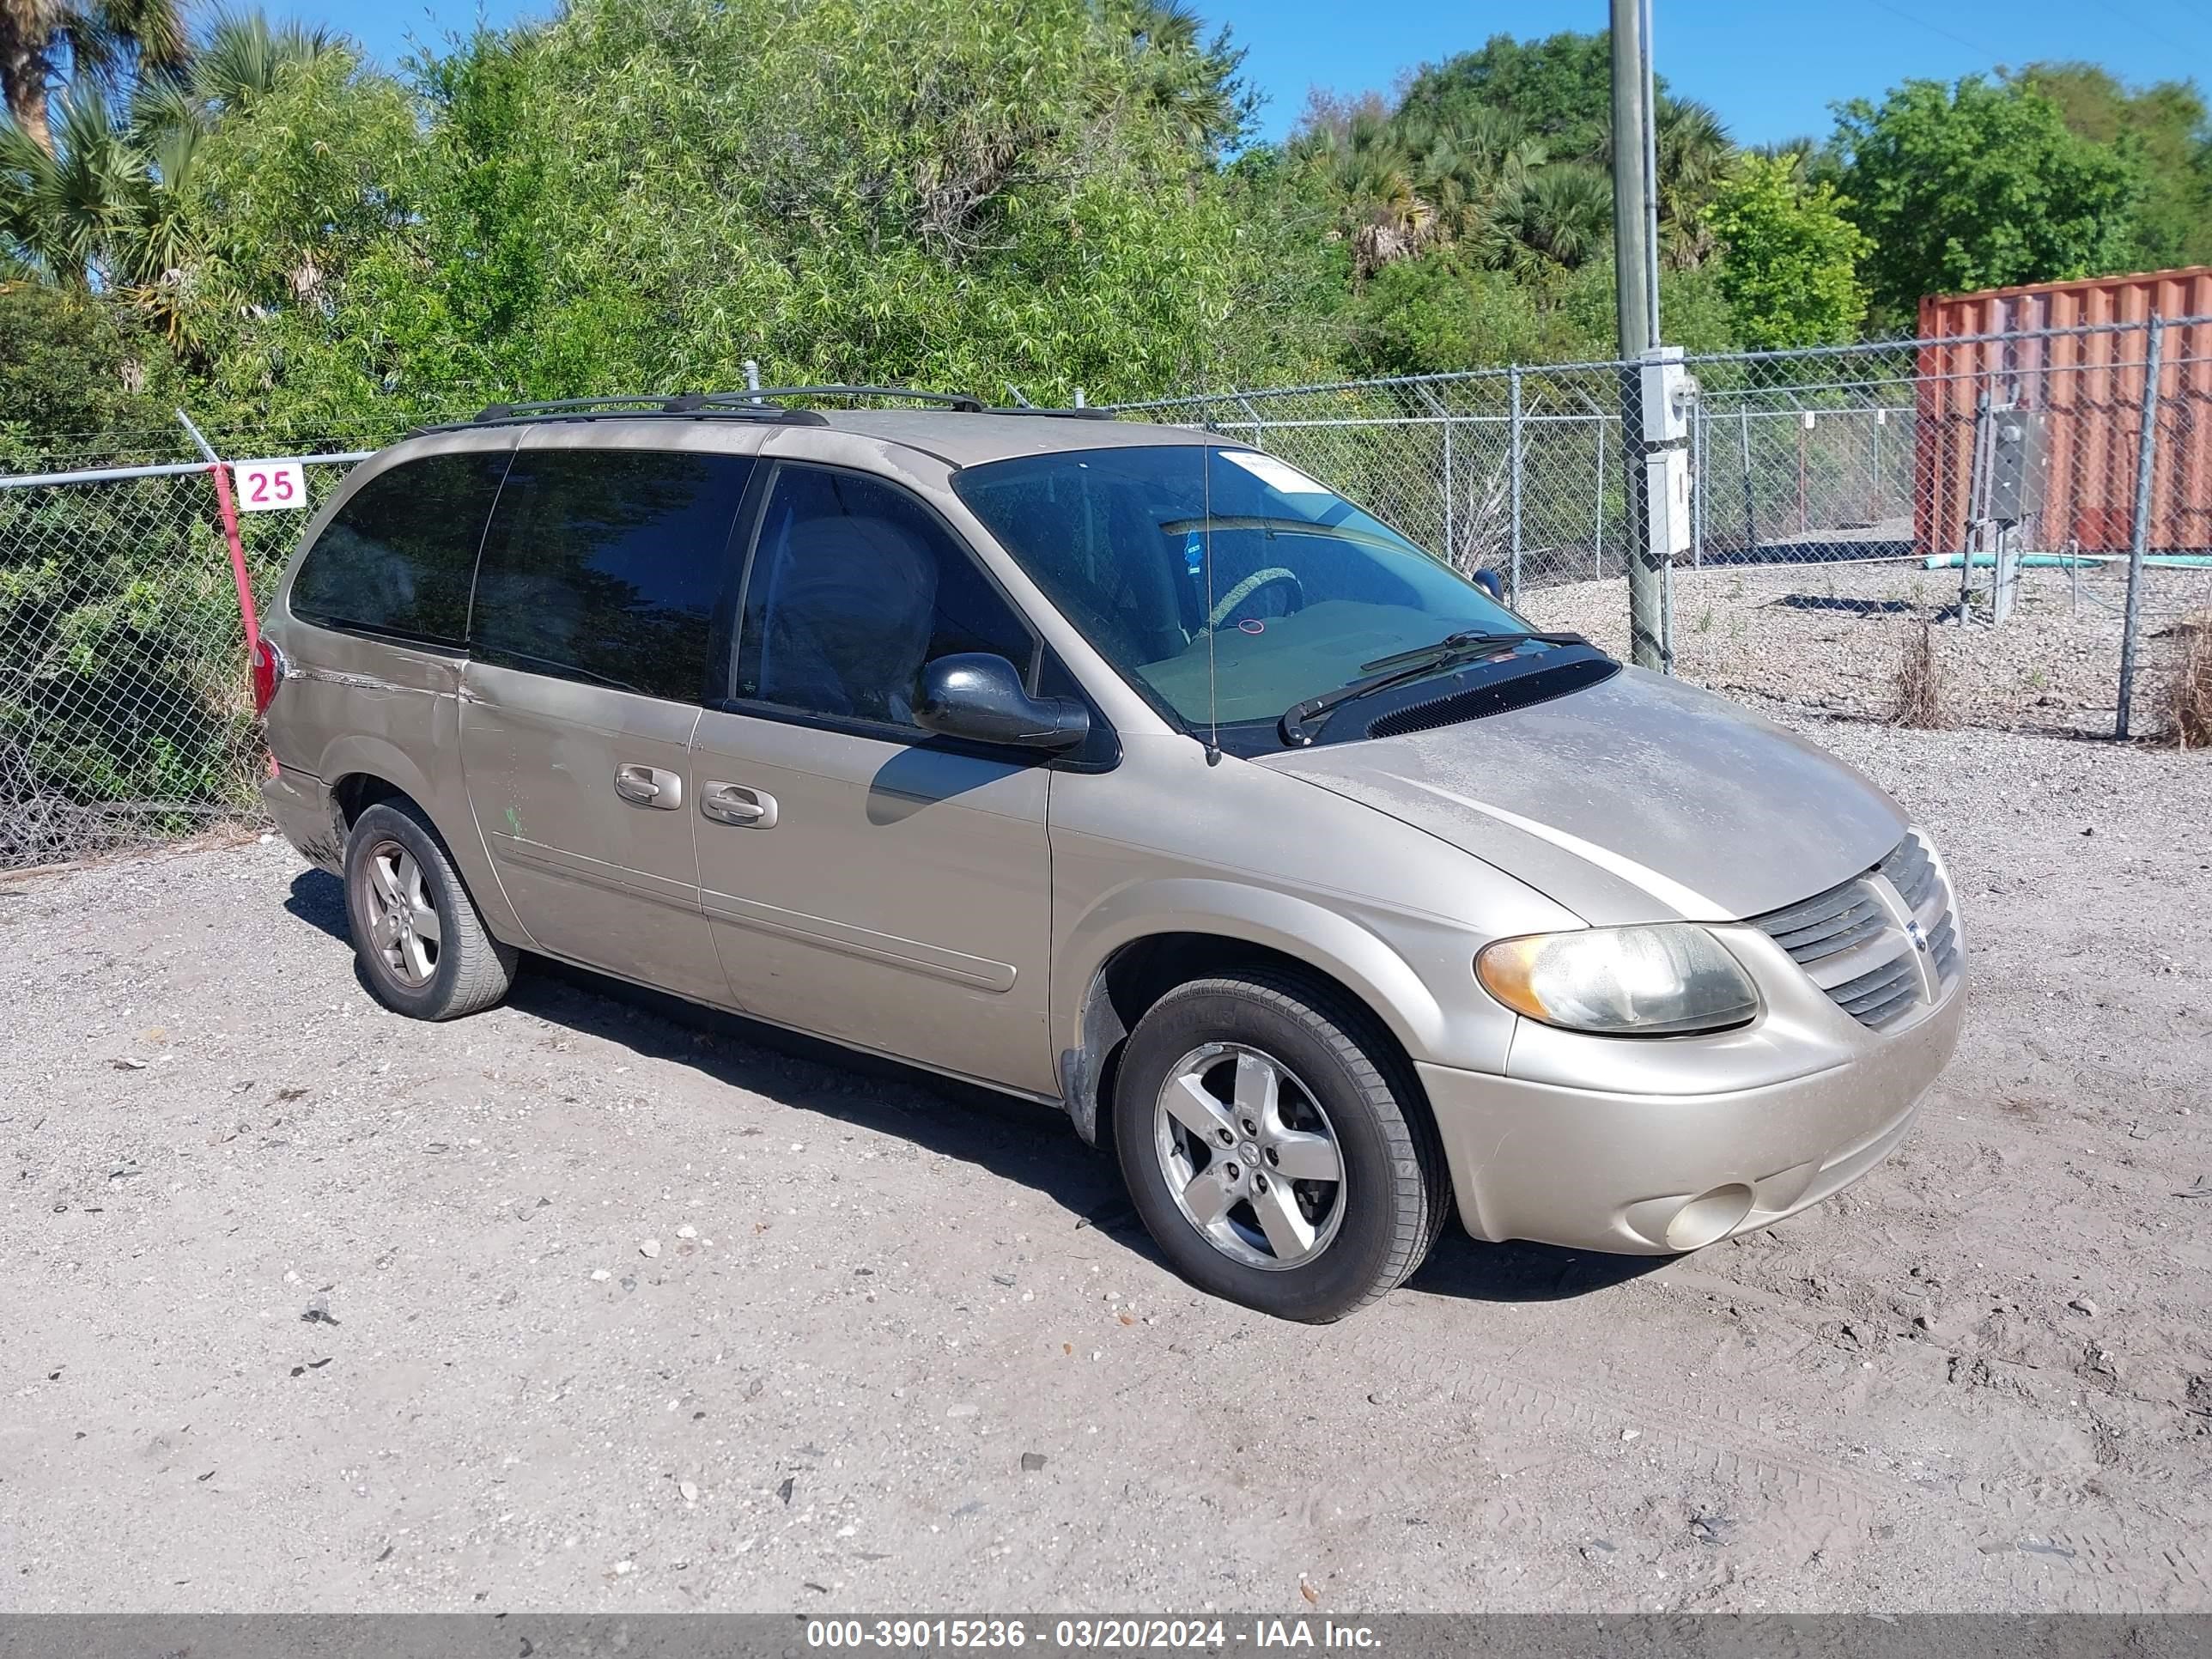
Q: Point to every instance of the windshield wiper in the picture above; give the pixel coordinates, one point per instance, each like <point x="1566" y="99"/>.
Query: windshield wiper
<point x="1474" y="639"/>
<point x="1406" y="665"/>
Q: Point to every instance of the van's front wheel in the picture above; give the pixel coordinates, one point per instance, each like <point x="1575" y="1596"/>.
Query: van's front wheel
<point x="1267" y="1150"/>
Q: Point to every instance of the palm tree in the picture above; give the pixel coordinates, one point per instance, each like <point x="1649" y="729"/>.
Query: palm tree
<point x="1192" y="80"/>
<point x="1375" y="184"/>
<point x="95" y="44"/>
<point x="1693" y="156"/>
<point x="1558" y="220"/>
<point x="104" y="202"/>
<point x="1466" y="162"/>
<point x="69" y="206"/>
<point x="1693" y="153"/>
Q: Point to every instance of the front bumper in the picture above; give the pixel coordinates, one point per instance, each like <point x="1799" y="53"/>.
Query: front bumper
<point x="306" y="818"/>
<point x="1656" y="1173"/>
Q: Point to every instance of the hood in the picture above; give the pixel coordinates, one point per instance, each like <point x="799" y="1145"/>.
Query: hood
<point x="1639" y="798"/>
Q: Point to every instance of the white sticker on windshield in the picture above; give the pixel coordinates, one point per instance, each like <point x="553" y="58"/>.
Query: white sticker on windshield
<point x="1276" y="475"/>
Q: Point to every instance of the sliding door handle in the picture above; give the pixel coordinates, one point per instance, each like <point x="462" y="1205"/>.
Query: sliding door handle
<point x="733" y="803"/>
<point x="648" y="786"/>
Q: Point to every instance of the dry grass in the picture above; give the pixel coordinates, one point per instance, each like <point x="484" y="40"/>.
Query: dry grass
<point x="1920" y="701"/>
<point x="2190" y="693"/>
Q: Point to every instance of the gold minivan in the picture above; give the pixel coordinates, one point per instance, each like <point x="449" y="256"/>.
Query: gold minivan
<point x="1125" y="769"/>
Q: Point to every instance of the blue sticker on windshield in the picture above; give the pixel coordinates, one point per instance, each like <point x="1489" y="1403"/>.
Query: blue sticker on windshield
<point x="1193" y="553"/>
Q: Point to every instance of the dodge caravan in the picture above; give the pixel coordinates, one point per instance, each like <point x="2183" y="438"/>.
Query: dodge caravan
<point x="1124" y="769"/>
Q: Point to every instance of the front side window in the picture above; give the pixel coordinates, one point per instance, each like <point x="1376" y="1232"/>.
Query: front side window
<point x="603" y="565"/>
<point x="397" y="558"/>
<point x="1228" y="584"/>
<point x="855" y="586"/>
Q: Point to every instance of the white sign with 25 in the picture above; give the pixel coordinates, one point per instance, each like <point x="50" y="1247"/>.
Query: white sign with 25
<point x="270" y="486"/>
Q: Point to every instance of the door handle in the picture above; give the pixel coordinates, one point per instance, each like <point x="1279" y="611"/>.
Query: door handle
<point x="648" y="786"/>
<point x="733" y="803"/>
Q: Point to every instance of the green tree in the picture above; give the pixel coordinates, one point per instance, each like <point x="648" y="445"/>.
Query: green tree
<point x="1555" y="97"/>
<point x="635" y="195"/>
<point x="104" y="203"/>
<point x="1445" y="312"/>
<point x="1559" y="88"/>
<point x="1692" y="312"/>
<point x="2167" y="127"/>
<point x="1195" y="80"/>
<point x="77" y="369"/>
<point x="1560" y="220"/>
<point x="1790" y="271"/>
<point x="1980" y="185"/>
<point x="96" y="46"/>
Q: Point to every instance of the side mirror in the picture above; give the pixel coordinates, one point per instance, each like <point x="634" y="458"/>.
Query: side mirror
<point x="977" y="695"/>
<point x="1489" y="582"/>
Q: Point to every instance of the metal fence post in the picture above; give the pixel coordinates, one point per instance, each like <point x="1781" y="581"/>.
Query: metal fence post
<point x="1513" y="446"/>
<point x="1443" y="413"/>
<point x="1597" y="556"/>
<point x="227" y="510"/>
<point x="2139" y="540"/>
<point x="1697" y="487"/>
<point x="1750" y="506"/>
<point x="1977" y="487"/>
<point x="1451" y="528"/>
<point x="1258" y="426"/>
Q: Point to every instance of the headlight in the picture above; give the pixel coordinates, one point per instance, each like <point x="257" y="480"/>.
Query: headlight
<point x="1654" y="980"/>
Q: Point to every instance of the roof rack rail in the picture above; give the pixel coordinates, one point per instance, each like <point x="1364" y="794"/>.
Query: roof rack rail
<point x="755" y="403"/>
<point x="956" y="400"/>
<point x="959" y="400"/>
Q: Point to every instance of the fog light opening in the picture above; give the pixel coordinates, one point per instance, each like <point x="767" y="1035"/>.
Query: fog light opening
<point x="1709" y="1216"/>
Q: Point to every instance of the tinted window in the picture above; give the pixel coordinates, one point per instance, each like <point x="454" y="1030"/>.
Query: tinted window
<point x="603" y="565"/>
<point x="855" y="586"/>
<point x="398" y="557"/>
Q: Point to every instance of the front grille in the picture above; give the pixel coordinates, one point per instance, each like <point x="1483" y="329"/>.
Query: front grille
<point x="1853" y="939"/>
<point x="1911" y="872"/>
<point x="1879" y="991"/>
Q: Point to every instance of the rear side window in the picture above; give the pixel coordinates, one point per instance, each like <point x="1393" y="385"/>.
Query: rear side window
<point x="398" y="557"/>
<point x="603" y="565"/>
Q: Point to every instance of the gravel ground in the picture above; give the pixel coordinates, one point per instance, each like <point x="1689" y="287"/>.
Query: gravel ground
<point x="1826" y="638"/>
<point x="578" y="1306"/>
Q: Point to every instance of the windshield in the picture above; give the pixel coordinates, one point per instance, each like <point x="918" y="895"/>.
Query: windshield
<point x="1300" y="592"/>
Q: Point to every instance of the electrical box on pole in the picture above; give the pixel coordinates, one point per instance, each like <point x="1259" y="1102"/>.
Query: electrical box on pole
<point x="1669" y="389"/>
<point x="1668" y="395"/>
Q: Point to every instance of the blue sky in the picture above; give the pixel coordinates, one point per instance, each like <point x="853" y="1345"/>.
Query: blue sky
<point x="1771" y="67"/>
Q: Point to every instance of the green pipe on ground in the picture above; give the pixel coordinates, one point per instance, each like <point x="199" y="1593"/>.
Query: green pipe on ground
<point x="2064" y="561"/>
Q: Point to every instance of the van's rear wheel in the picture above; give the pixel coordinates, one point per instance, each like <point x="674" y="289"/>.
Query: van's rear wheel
<point x="1269" y="1152"/>
<point x="422" y="948"/>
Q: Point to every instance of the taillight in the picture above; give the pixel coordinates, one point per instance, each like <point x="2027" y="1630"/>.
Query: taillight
<point x="268" y="673"/>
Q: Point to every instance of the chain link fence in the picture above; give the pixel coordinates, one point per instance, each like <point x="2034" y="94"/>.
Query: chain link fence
<point x="1935" y="531"/>
<point x="126" y="711"/>
<point x="1941" y="532"/>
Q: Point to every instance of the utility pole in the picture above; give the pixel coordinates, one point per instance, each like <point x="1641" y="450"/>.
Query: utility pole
<point x="1636" y="298"/>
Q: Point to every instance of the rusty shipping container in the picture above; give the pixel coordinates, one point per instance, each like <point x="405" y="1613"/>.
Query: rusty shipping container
<point x="2075" y="351"/>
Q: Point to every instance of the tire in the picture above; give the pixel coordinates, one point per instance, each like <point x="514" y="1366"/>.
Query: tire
<point x="464" y="968"/>
<point x="1336" y="1077"/>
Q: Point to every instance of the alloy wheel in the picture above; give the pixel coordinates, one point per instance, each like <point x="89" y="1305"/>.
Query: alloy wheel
<point x="1250" y="1157"/>
<point x="403" y="928"/>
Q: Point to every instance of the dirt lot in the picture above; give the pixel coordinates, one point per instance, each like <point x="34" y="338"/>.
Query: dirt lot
<point x="313" y="1308"/>
<point x="1828" y="637"/>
